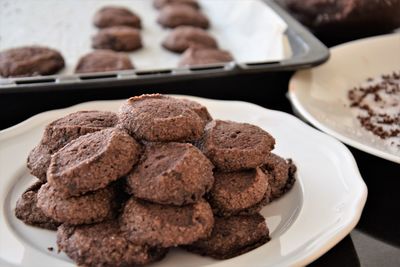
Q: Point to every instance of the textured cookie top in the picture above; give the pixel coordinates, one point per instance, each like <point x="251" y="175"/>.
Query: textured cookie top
<point x="38" y="161"/>
<point x="103" y="244"/>
<point x="280" y="174"/>
<point x="195" y="56"/>
<point x="116" y="16"/>
<point x="235" y="191"/>
<point x="162" y="3"/>
<point x="117" y="38"/>
<point x="233" y="236"/>
<point x="59" y="132"/>
<point x="160" y="118"/>
<point x="30" y="61"/>
<point x="198" y="108"/>
<point x="92" y="161"/>
<point x="235" y="146"/>
<point x="171" y="173"/>
<point x="103" y="60"/>
<point x="183" y="37"/>
<point x="166" y="226"/>
<point x="27" y="211"/>
<point x="172" y="16"/>
<point x="92" y="207"/>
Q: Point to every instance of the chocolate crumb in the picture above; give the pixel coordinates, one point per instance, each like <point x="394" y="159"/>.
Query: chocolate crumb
<point x="50" y="248"/>
<point x="378" y="105"/>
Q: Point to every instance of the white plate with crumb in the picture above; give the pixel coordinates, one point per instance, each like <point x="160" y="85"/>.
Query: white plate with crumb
<point x="324" y="205"/>
<point x="320" y="95"/>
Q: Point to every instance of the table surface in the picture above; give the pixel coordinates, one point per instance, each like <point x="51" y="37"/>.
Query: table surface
<point x="376" y="239"/>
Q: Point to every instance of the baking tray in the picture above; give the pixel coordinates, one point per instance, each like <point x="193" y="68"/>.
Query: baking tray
<point x="306" y="51"/>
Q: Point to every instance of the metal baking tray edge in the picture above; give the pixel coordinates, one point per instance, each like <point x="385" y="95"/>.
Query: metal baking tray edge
<point x="307" y="51"/>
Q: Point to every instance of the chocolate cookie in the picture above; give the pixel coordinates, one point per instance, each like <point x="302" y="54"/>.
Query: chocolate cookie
<point x="233" y="146"/>
<point x="233" y="236"/>
<point x="103" y="60"/>
<point x="195" y="56"/>
<point x="118" y="38"/>
<point x="38" y="161"/>
<point x="160" y="118"/>
<point x="183" y="37"/>
<point x="172" y="16"/>
<point x="346" y="19"/>
<point x="171" y="173"/>
<point x="92" y="161"/>
<point x="103" y="244"/>
<point x="236" y="192"/>
<point x="90" y="208"/>
<point x="281" y="175"/>
<point x="110" y="16"/>
<point x="27" y="211"/>
<point x="59" y="132"/>
<point x="199" y="109"/>
<point x="30" y="61"/>
<point x="166" y="226"/>
<point x="162" y="3"/>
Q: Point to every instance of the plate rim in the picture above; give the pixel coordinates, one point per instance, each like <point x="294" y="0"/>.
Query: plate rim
<point x="342" y="229"/>
<point x="296" y="104"/>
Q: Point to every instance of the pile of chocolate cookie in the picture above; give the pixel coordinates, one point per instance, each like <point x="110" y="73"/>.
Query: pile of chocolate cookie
<point x="123" y="188"/>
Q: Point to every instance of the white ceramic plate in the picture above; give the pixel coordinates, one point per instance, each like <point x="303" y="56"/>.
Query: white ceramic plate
<point x="323" y="207"/>
<point x="320" y="94"/>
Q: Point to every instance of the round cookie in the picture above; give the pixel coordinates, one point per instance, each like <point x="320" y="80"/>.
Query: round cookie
<point x="281" y="175"/>
<point x="183" y="37"/>
<point x="236" y="192"/>
<point x="171" y="173"/>
<point x="160" y="118"/>
<point x="59" y="132"/>
<point x="172" y="16"/>
<point x="92" y="161"/>
<point x="30" y="61"/>
<point x="195" y="56"/>
<point x="103" y="60"/>
<point x="233" y="146"/>
<point x="27" y="211"/>
<point x="233" y="236"/>
<point x="159" y="4"/>
<point x="110" y="16"/>
<point x="117" y="38"/>
<point x="346" y="19"/>
<point x="38" y="161"/>
<point x="103" y="244"/>
<point x="198" y="108"/>
<point x="166" y="226"/>
<point x="90" y="208"/>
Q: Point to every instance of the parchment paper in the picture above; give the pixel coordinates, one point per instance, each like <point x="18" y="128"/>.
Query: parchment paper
<point x="249" y="29"/>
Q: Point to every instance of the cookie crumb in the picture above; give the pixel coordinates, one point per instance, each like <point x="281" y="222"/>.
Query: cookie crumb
<point x="50" y="248"/>
<point x="377" y="105"/>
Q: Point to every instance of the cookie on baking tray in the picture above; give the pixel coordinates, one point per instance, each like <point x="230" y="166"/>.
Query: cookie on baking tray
<point x="118" y="38"/>
<point x="30" y="61"/>
<point x="110" y="16"/>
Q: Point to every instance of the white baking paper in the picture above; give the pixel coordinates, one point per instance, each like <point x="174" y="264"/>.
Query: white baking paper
<point x="249" y="29"/>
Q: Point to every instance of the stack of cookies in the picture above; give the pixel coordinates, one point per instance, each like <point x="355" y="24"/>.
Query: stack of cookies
<point x="123" y="188"/>
<point x="247" y="177"/>
<point x="189" y="35"/>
